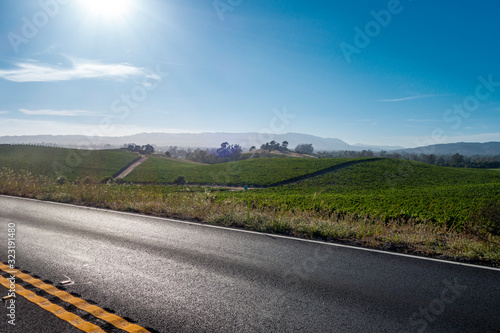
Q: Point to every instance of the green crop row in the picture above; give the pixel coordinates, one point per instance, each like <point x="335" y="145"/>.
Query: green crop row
<point x="389" y="189"/>
<point x="71" y="163"/>
<point x="394" y="174"/>
<point x="252" y="172"/>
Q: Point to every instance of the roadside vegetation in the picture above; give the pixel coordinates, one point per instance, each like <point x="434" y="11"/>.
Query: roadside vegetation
<point x="411" y="207"/>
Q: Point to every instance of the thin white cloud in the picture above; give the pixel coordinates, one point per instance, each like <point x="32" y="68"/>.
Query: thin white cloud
<point x="408" y="98"/>
<point x="4" y="112"/>
<point x="80" y="69"/>
<point x="61" y="113"/>
<point x="413" y="120"/>
<point x="16" y="127"/>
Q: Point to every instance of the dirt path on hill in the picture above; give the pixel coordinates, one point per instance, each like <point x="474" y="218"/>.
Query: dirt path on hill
<point x="131" y="167"/>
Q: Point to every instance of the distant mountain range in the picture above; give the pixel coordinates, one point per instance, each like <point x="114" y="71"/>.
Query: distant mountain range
<point x="212" y="140"/>
<point x="462" y="148"/>
<point x="193" y="140"/>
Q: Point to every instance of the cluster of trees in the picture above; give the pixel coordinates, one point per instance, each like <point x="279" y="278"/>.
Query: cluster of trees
<point x="452" y="160"/>
<point x="176" y="152"/>
<point x="225" y="153"/>
<point x="273" y="146"/>
<point x="303" y="148"/>
<point x="145" y="149"/>
<point x="228" y="152"/>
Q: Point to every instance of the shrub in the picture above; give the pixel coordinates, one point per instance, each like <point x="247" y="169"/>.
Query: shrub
<point x="61" y="180"/>
<point x="179" y="181"/>
<point x="107" y="180"/>
<point x="488" y="217"/>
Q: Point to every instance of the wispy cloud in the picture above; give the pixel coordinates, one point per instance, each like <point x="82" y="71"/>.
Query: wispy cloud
<point x="413" y="120"/>
<point x="62" y="113"/>
<point x="4" y="112"/>
<point x="409" y="98"/>
<point x="80" y="69"/>
<point x="45" y="127"/>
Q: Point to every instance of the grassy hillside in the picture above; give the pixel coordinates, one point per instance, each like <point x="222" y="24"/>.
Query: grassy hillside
<point x="70" y="163"/>
<point x="392" y="189"/>
<point x="396" y="174"/>
<point x="252" y="172"/>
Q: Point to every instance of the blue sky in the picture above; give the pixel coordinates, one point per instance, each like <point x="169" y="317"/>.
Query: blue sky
<point x="405" y="73"/>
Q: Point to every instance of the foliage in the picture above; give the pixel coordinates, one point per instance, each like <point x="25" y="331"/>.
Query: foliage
<point x="145" y="149"/>
<point x="61" y="180"/>
<point x="179" y="181"/>
<point x="487" y="217"/>
<point x="226" y="153"/>
<point x="455" y="160"/>
<point x="304" y="148"/>
<point x="69" y="163"/>
<point x="251" y="172"/>
<point x="275" y="146"/>
<point x="391" y="189"/>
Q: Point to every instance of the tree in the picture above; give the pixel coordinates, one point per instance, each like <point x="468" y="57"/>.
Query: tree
<point x="457" y="160"/>
<point x="231" y="152"/>
<point x="271" y="146"/>
<point x="284" y="146"/>
<point x="148" y="149"/>
<point x="253" y="148"/>
<point x="430" y="159"/>
<point x="304" y="148"/>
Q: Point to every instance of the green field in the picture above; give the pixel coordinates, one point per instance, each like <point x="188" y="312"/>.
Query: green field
<point x="71" y="163"/>
<point x="390" y="189"/>
<point x="251" y="172"/>
<point x="386" y="189"/>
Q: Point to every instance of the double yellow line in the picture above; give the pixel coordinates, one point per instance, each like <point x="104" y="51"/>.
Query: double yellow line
<point x="60" y="312"/>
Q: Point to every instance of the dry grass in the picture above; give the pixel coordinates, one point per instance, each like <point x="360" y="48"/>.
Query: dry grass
<point x="412" y="236"/>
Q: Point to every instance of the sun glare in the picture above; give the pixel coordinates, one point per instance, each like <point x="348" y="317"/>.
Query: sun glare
<point x="107" y="8"/>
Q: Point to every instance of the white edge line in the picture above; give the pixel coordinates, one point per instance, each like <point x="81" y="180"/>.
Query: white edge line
<point x="261" y="233"/>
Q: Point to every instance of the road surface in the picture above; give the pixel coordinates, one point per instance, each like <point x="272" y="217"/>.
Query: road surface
<point x="173" y="276"/>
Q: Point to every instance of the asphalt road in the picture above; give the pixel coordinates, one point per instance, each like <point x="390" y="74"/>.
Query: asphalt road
<point x="173" y="276"/>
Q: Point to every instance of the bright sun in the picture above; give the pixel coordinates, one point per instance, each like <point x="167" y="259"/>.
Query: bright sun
<point x="107" y="8"/>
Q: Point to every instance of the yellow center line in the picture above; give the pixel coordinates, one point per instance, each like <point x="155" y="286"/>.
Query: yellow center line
<point x="60" y="312"/>
<point x="96" y="311"/>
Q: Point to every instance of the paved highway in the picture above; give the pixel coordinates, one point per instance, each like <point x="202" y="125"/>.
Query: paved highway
<point x="173" y="276"/>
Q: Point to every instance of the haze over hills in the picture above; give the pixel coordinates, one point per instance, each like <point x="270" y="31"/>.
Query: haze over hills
<point x="193" y="140"/>
<point x="246" y="140"/>
<point x="463" y="148"/>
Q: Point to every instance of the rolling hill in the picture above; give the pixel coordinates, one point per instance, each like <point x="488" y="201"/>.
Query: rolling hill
<point x="70" y="163"/>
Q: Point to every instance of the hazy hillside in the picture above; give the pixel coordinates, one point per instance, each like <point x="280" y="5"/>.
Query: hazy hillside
<point x="212" y="140"/>
<point x="188" y="140"/>
<point x="463" y="148"/>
